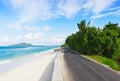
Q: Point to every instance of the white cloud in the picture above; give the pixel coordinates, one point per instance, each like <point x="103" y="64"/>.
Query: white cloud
<point x="114" y="8"/>
<point x="23" y="27"/>
<point x="36" y="38"/>
<point x="27" y="9"/>
<point x="30" y="28"/>
<point x="54" y="39"/>
<point x="69" y="8"/>
<point x="15" y="26"/>
<point x="29" y="36"/>
<point x="97" y="6"/>
<point x="110" y="11"/>
<point x="18" y="37"/>
<point x="30" y="10"/>
<point x="46" y="28"/>
<point x="101" y="15"/>
<point x="58" y="38"/>
<point x="5" y="38"/>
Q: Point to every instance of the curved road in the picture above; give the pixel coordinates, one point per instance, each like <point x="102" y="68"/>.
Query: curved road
<point x="82" y="69"/>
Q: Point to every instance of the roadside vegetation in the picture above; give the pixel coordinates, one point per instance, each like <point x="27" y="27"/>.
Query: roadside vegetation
<point x="91" y="40"/>
<point x="111" y="63"/>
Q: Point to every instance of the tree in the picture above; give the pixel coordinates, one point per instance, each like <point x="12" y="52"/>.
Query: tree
<point x="92" y="40"/>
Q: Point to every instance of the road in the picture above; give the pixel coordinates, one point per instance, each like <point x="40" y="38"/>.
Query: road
<point x="82" y="69"/>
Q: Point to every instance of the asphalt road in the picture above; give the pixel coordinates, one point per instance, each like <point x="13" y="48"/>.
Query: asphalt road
<point x="82" y="69"/>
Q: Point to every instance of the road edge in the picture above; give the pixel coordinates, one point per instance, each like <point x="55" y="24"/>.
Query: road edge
<point x="57" y="72"/>
<point x="106" y="66"/>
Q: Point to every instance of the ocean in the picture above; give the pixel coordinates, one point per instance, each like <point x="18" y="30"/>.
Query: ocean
<point x="9" y="52"/>
<point x="12" y="57"/>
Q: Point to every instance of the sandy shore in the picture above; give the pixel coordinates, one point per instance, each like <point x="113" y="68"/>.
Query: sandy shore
<point x="29" y="71"/>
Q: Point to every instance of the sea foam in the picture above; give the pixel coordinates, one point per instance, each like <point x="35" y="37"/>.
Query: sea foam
<point x="5" y="62"/>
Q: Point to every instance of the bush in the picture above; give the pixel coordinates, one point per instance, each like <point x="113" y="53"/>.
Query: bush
<point x="106" y="61"/>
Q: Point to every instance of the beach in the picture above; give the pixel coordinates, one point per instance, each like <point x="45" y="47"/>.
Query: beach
<point x="31" y="70"/>
<point x="56" y="65"/>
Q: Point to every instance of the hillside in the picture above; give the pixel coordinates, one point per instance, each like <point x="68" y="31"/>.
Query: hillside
<point x="23" y="44"/>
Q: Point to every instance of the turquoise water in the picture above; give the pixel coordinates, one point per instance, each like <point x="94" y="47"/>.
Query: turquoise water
<point x="12" y="52"/>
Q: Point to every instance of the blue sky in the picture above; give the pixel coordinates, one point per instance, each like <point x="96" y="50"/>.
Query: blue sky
<point x="48" y="22"/>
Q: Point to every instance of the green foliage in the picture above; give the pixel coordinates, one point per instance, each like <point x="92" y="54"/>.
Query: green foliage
<point x="95" y="41"/>
<point x="106" y="61"/>
<point x="64" y="45"/>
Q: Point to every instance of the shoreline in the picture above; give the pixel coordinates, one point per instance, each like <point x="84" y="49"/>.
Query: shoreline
<point x="30" y="70"/>
<point x="11" y="63"/>
<point x="30" y="54"/>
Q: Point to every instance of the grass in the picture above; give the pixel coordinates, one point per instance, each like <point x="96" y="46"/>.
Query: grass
<point x="105" y="61"/>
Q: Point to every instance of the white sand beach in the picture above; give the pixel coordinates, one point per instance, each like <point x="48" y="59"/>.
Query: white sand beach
<point x="29" y="71"/>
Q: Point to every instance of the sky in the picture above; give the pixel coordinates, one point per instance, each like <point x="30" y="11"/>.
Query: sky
<point x="49" y="22"/>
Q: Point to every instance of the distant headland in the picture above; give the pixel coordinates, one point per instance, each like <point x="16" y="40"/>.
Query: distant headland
<point x="23" y="44"/>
